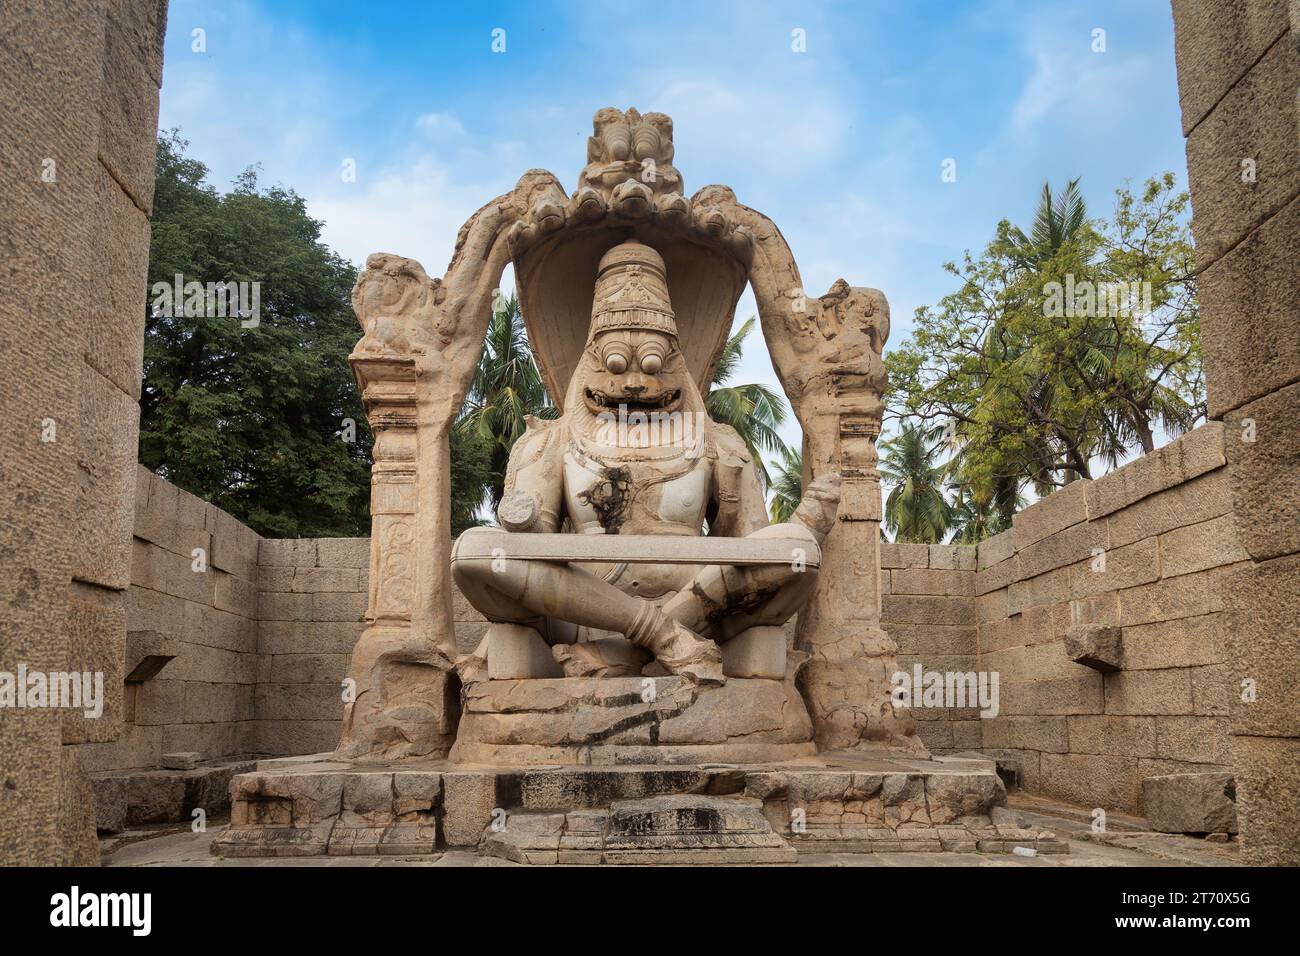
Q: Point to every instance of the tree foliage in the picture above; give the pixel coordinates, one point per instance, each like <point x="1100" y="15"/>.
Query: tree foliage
<point x="253" y="419"/>
<point x="1047" y="360"/>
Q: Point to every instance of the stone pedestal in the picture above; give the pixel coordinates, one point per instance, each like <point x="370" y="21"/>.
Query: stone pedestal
<point x="623" y="720"/>
<point x="851" y="802"/>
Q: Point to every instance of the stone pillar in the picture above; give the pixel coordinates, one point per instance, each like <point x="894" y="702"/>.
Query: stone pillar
<point x="846" y="679"/>
<point x="405" y="696"/>
<point x="79" y="93"/>
<point x="1238" y="72"/>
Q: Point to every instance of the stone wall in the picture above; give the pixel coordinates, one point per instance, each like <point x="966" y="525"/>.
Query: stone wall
<point x="1145" y="548"/>
<point x="312" y="603"/>
<point x="1238" y="71"/>
<point x="928" y="607"/>
<point x="193" y="599"/>
<point x="79" y="95"/>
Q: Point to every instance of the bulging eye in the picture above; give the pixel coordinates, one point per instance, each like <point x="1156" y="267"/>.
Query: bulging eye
<point x="651" y="363"/>
<point x="616" y="362"/>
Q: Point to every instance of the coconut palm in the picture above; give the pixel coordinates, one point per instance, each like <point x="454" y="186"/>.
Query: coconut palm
<point x="787" y="487"/>
<point x="1056" y="220"/>
<point x="754" y="411"/>
<point x="506" y="390"/>
<point x="916" y="510"/>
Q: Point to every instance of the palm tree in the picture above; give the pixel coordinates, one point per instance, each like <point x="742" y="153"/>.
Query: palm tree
<point x="507" y="388"/>
<point x="915" y="510"/>
<point x="754" y="411"/>
<point x="1056" y="220"/>
<point x="787" y="487"/>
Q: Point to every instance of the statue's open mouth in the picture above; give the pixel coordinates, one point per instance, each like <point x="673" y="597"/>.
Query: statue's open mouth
<point x="666" y="400"/>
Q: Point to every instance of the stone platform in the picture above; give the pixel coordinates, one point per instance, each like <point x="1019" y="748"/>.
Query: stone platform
<point x="631" y="720"/>
<point x="854" y="801"/>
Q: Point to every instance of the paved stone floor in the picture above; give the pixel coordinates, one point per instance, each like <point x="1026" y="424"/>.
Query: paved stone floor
<point x="1127" y="843"/>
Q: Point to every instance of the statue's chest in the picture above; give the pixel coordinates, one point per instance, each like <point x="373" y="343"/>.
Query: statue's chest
<point x="628" y="495"/>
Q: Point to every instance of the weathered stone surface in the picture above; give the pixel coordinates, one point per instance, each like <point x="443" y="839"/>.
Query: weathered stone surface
<point x="1248" y="327"/>
<point x="1242" y="126"/>
<point x="469" y="800"/>
<point x="1191" y="803"/>
<point x="1216" y="43"/>
<point x="1095" y="645"/>
<point x="1266" y="498"/>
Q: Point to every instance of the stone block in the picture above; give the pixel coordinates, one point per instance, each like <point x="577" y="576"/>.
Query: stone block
<point x="1267" y="772"/>
<point x="1265" y="491"/>
<point x="942" y="582"/>
<point x="1110" y="734"/>
<point x="1188" y="642"/>
<point x="1178" y="462"/>
<point x="1226" y="205"/>
<point x="1205" y="497"/>
<point x="106" y="479"/>
<point x="284" y="606"/>
<point x="1197" y="547"/>
<point x="343" y="553"/>
<point x="1261" y="629"/>
<point x="1092" y="780"/>
<point x="185" y="760"/>
<point x="926" y="609"/>
<point x="1216" y="42"/>
<point x="308" y="669"/>
<point x="1095" y="645"/>
<point x="1116" y="568"/>
<point x="1044" y="734"/>
<point x="330" y="580"/>
<point x="900" y="555"/>
<point x="1189" y="595"/>
<point x="1149" y="692"/>
<point x="96" y="645"/>
<point x="299" y="702"/>
<point x="995" y="550"/>
<point x="1248" y="328"/>
<point x="110" y="802"/>
<point x="1194" y="739"/>
<point x="468" y="802"/>
<point x="755" y="652"/>
<point x="350" y="607"/>
<point x="1191" y="803"/>
<point x="1064" y="507"/>
<point x="112" y="319"/>
<point x="128" y="103"/>
<point x="287" y="552"/>
<point x="1064" y="696"/>
<point x="236" y="595"/>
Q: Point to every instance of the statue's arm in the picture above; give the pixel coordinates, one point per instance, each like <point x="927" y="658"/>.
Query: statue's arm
<point x="534" y="485"/>
<point x="737" y="492"/>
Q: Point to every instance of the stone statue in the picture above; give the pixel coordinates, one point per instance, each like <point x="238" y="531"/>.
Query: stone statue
<point x="600" y="575"/>
<point x="635" y="453"/>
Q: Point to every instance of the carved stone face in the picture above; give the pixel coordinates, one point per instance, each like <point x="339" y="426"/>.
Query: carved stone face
<point x="639" y="369"/>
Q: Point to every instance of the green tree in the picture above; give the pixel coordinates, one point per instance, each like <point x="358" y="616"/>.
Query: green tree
<point x="252" y="417"/>
<point x="506" y="390"/>
<point x="787" y="486"/>
<point x="754" y="411"/>
<point x="916" y="510"/>
<point x="1062" y="347"/>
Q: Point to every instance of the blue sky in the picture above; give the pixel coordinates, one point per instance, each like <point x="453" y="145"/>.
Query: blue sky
<point x="841" y="145"/>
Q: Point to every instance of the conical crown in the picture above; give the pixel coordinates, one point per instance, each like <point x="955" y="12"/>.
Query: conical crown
<point x="632" y="291"/>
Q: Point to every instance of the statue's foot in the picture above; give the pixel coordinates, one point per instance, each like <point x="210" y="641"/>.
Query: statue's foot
<point x="613" y="657"/>
<point x="685" y="653"/>
<point x="472" y="667"/>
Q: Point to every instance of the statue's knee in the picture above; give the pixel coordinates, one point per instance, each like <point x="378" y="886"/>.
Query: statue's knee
<point x="479" y="558"/>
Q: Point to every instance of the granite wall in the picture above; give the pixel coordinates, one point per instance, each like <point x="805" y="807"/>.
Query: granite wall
<point x="1238" y="74"/>
<point x="79" y="86"/>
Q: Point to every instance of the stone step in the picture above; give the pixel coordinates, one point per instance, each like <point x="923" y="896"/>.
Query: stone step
<point x="682" y="829"/>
